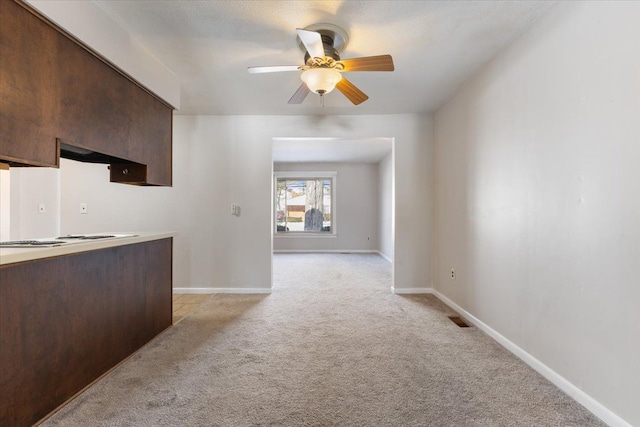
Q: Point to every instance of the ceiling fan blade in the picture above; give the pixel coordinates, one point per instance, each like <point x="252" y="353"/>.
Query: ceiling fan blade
<point x="312" y="41"/>
<point x="272" y="69"/>
<point x="369" y="63"/>
<point x="300" y="94"/>
<point x="354" y="94"/>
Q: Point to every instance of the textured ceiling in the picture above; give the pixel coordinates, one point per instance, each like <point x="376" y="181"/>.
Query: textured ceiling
<point x="436" y="46"/>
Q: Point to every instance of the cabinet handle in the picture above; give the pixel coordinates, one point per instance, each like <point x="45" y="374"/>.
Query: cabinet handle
<point x="125" y="171"/>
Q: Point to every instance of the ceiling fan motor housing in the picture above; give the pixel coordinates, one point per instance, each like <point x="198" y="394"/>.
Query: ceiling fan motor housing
<point x="329" y="50"/>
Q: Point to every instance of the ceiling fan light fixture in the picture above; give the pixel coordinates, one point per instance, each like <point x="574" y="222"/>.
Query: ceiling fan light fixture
<point x="321" y="72"/>
<point x="321" y="80"/>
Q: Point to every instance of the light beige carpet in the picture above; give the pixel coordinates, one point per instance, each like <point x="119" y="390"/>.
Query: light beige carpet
<point x="331" y="346"/>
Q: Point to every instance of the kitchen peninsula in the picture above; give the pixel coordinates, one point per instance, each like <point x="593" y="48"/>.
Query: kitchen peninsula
<point x="70" y="313"/>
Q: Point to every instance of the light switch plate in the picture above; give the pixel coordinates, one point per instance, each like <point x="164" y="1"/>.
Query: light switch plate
<point x="84" y="208"/>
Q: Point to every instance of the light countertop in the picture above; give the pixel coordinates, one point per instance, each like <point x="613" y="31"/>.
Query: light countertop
<point x="14" y="255"/>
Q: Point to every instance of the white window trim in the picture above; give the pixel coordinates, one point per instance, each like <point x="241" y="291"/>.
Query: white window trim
<point x="306" y="175"/>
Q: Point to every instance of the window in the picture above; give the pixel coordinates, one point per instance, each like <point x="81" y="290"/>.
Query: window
<point x="304" y="203"/>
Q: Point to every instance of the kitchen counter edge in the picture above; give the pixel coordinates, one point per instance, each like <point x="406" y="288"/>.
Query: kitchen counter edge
<point x="15" y="255"/>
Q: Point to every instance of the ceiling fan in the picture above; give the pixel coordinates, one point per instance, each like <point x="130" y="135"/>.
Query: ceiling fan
<point x="323" y="67"/>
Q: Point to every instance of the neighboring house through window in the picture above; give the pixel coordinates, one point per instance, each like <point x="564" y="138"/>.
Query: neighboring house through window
<point x="304" y="202"/>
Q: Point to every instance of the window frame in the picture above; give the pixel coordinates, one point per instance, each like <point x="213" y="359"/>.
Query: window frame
<point x="306" y="175"/>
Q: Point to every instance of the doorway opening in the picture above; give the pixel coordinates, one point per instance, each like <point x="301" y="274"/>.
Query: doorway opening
<point x="333" y="195"/>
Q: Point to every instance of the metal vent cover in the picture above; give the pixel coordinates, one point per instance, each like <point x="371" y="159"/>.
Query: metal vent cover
<point x="459" y="321"/>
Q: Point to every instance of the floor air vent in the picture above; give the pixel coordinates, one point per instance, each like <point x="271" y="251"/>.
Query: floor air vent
<point x="459" y="321"/>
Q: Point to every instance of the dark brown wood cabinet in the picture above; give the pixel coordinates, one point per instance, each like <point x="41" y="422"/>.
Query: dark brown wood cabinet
<point x="67" y="320"/>
<point x="55" y="90"/>
<point x="28" y="88"/>
<point x="150" y="138"/>
<point x="94" y="106"/>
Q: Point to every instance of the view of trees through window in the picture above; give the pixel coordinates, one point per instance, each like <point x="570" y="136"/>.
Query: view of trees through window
<point x="303" y="205"/>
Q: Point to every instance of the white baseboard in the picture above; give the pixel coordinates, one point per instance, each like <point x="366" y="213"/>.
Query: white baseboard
<point x="325" y="251"/>
<point x="401" y="291"/>
<point x="221" y="290"/>
<point x="559" y="381"/>
<point x="193" y="290"/>
<point x="385" y="256"/>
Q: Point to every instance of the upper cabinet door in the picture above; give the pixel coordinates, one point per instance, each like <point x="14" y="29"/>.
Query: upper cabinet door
<point x="150" y="141"/>
<point x="94" y="105"/>
<point x="29" y="88"/>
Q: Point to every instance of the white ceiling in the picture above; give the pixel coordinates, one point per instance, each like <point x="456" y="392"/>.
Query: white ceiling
<point x="436" y="46"/>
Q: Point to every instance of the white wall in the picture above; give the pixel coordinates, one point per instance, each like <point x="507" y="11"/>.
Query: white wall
<point x="112" y="207"/>
<point x="385" y="206"/>
<point x="231" y="163"/>
<point x="30" y="187"/>
<point x="537" y="196"/>
<point x="5" y="204"/>
<point x="356" y="209"/>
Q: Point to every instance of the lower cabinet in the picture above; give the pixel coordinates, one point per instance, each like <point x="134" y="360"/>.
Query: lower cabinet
<point x="67" y="320"/>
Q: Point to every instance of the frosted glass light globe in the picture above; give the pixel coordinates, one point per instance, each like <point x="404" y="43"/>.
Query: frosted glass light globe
<point x="321" y="80"/>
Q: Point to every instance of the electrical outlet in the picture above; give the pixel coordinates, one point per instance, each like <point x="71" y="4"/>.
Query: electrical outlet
<point x="84" y="208"/>
<point x="235" y="210"/>
<point x="41" y="208"/>
<point x="453" y="274"/>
